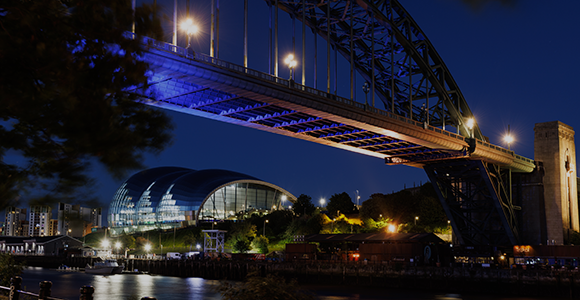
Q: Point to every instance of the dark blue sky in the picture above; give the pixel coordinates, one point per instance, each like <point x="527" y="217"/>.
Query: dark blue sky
<point x="516" y="65"/>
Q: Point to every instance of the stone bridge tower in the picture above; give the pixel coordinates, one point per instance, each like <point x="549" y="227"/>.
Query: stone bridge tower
<point x="554" y="147"/>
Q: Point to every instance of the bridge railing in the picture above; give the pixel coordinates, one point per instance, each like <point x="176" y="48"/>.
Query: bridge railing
<point x="291" y="84"/>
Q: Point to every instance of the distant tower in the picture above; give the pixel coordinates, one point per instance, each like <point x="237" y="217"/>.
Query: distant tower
<point x="15" y="218"/>
<point x="554" y="146"/>
<point x="39" y="220"/>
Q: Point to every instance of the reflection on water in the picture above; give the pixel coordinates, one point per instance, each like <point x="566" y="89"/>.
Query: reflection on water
<point x="66" y="285"/>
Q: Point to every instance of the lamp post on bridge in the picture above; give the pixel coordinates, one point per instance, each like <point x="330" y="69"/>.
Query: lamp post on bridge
<point x="470" y="124"/>
<point x="509" y="139"/>
<point x="366" y="91"/>
<point x="190" y="29"/>
<point x="291" y="62"/>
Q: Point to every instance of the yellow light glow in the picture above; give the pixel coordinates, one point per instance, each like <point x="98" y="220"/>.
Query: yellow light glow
<point x="189" y="27"/>
<point x="508" y="139"/>
<point x="470" y="123"/>
<point x="290" y="61"/>
<point x="392" y="228"/>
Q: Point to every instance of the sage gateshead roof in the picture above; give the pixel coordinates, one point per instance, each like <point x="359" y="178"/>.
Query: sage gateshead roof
<point x="168" y="197"/>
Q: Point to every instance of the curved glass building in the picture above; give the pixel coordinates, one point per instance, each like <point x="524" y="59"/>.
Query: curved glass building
<point x="168" y="197"/>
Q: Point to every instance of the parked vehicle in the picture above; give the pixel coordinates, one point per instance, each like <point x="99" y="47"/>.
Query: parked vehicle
<point x="173" y="255"/>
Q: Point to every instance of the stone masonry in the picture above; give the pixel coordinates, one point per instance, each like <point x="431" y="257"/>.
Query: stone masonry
<point x="554" y="147"/>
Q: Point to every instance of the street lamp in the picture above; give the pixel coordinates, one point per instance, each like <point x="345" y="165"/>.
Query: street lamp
<point x="416" y="218"/>
<point x="291" y="62"/>
<point x="147" y="248"/>
<point x="264" y="231"/>
<point x="117" y="246"/>
<point x="392" y="228"/>
<point x="105" y="244"/>
<point x="284" y="199"/>
<point x="366" y="91"/>
<point x="322" y="201"/>
<point x="509" y="139"/>
<point x="189" y="29"/>
<point x="470" y="124"/>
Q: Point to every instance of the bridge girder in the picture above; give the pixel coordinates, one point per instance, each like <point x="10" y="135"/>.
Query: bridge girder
<point x="476" y="201"/>
<point x="408" y="71"/>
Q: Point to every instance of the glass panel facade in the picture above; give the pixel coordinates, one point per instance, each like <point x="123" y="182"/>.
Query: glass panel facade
<point x="240" y="200"/>
<point x="188" y="197"/>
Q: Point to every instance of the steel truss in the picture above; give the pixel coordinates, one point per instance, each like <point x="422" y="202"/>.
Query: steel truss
<point x="476" y="201"/>
<point x="390" y="51"/>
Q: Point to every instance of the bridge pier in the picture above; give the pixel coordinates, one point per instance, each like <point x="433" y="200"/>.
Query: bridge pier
<point x="554" y="147"/>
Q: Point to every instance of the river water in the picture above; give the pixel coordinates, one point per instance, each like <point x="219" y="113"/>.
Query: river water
<point x="66" y="285"/>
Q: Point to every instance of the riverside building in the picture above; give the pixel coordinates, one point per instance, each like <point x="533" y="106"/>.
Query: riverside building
<point x="174" y="197"/>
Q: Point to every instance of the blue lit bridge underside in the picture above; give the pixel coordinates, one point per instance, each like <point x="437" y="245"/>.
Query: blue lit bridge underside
<point x="215" y="89"/>
<point x="467" y="171"/>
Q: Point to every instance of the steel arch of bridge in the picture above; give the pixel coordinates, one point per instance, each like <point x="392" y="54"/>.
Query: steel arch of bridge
<point x="387" y="44"/>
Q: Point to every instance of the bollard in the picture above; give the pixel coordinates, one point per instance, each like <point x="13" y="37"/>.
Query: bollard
<point x="87" y="292"/>
<point x="44" y="289"/>
<point x="15" y="284"/>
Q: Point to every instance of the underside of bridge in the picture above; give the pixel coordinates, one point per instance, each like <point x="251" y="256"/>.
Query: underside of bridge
<point x="419" y="103"/>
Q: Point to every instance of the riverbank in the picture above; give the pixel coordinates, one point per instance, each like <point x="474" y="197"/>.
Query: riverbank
<point x="552" y="283"/>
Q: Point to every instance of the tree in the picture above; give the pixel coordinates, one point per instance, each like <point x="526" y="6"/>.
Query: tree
<point x="68" y="73"/>
<point x="242" y="246"/>
<point x="304" y="226"/>
<point x="303" y="205"/>
<point x="340" y="202"/>
<point x="402" y="207"/>
<point x="9" y="268"/>
<point x="261" y="243"/>
<point x="241" y="236"/>
<point x="128" y="241"/>
<point x="257" y="287"/>
<point x="189" y="239"/>
<point x="140" y="242"/>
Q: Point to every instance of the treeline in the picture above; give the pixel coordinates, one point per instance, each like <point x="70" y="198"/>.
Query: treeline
<point x="409" y="210"/>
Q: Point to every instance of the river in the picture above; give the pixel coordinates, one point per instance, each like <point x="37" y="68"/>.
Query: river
<point x="67" y="284"/>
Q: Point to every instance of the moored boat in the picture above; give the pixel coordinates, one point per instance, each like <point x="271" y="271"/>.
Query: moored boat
<point x="107" y="267"/>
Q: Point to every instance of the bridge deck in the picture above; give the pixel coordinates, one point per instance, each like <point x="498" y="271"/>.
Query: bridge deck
<point x="204" y="86"/>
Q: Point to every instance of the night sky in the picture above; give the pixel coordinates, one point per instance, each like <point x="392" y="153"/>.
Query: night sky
<point x="516" y="65"/>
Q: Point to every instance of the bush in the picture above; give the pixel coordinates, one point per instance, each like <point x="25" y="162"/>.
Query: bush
<point x="261" y="243"/>
<point x="242" y="246"/>
<point x="8" y="268"/>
